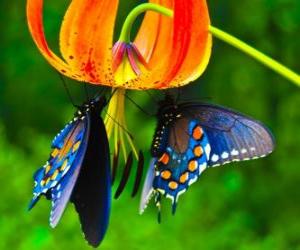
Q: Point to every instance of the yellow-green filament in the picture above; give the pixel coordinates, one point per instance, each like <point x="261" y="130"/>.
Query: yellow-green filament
<point x="116" y="126"/>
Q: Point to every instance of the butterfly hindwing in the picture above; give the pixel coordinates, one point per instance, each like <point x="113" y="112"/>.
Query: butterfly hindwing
<point x="61" y="193"/>
<point x="66" y="148"/>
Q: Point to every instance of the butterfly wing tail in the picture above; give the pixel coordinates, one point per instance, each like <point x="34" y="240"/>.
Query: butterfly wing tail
<point x="32" y="203"/>
<point x="148" y="191"/>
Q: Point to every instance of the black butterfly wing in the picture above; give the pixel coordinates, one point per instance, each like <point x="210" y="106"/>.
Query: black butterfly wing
<point x="232" y="136"/>
<point x="92" y="193"/>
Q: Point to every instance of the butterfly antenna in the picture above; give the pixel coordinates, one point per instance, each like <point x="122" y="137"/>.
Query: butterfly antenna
<point x="139" y="174"/>
<point x="138" y="106"/>
<point x="125" y="176"/>
<point x="99" y="93"/>
<point x="178" y="95"/>
<point x="152" y="96"/>
<point x="67" y="90"/>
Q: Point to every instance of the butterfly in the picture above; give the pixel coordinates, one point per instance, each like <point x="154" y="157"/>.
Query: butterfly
<point x="191" y="137"/>
<point x="78" y="170"/>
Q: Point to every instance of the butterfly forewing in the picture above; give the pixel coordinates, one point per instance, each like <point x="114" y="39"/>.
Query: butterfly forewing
<point x="92" y="193"/>
<point x="232" y="136"/>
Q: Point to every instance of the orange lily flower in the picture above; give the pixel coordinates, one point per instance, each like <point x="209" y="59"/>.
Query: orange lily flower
<point x="171" y="49"/>
<point x="167" y="52"/>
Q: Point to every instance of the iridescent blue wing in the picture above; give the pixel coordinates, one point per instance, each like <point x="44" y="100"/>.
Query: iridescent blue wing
<point x="232" y="136"/>
<point x="92" y="193"/>
<point x="61" y="193"/>
<point x="148" y="189"/>
<point x="68" y="149"/>
<point x="179" y="164"/>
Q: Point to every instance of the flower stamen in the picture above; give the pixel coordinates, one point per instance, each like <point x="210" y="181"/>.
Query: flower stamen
<point x="116" y="125"/>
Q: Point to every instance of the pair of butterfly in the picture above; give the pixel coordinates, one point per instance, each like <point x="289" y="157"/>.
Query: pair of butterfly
<point x="189" y="138"/>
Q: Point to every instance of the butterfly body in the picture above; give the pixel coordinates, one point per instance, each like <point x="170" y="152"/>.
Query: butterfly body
<point x="78" y="170"/>
<point x="191" y="137"/>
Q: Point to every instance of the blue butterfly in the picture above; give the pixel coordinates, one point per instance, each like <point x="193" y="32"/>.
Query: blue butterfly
<point x="191" y="137"/>
<point x="78" y="171"/>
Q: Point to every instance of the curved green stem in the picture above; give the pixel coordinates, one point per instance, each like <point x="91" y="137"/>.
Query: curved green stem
<point x="259" y="56"/>
<point x="127" y="26"/>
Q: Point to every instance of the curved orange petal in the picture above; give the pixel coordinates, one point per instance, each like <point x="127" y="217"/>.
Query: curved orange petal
<point x="192" y="40"/>
<point x="35" y="23"/>
<point x="155" y="33"/>
<point x="177" y="49"/>
<point x="86" y="38"/>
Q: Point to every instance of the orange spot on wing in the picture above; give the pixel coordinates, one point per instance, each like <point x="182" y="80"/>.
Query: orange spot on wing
<point x="193" y="165"/>
<point x="64" y="165"/>
<point x="198" y="151"/>
<point x="166" y="174"/>
<point x="55" y="152"/>
<point x="55" y="174"/>
<point x="47" y="169"/>
<point x="47" y="181"/>
<point x="165" y="158"/>
<point x="76" y="146"/>
<point x="173" y="185"/>
<point x="184" y="177"/>
<point x="197" y="133"/>
<point x="66" y="149"/>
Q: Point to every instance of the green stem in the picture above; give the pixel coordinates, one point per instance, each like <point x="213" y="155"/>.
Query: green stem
<point x="264" y="59"/>
<point x="127" y="26"/>
<point x="225" y="37"/>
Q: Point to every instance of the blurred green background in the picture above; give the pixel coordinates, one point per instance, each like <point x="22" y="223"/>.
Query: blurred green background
<point x="249" y="205"/>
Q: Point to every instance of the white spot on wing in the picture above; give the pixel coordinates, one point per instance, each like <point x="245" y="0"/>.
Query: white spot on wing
<point x="170" y="197"/>
<point x="180" y="193"/>
<point x="202" y="167"/>
<point x="214" y="158"/>
<point x="225" y="155"/>
<point x="234" y="152"/>
<point x="193" y="180"/>
<point x="161" y="191"/>
<point x="244" y="151"/>
<point x="207" y="150"/>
